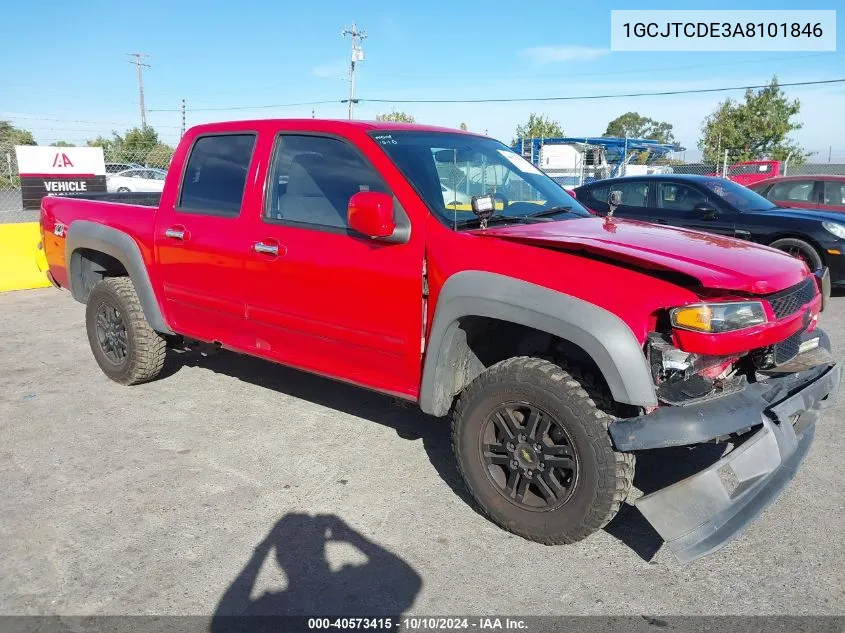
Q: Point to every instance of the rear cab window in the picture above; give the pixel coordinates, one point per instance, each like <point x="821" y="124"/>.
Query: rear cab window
<point x="215" y="174"/>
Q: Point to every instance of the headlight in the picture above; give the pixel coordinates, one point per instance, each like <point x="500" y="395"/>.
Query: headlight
<point x="719" y="317"/>
<point x="837" y="229"/>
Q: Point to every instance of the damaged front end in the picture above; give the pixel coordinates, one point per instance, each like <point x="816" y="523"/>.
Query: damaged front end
<point x="764" y="403"/>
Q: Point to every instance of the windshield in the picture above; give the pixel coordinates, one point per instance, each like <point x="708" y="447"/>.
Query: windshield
<point x="448" y="169"/>
<point x="741" y="198"/>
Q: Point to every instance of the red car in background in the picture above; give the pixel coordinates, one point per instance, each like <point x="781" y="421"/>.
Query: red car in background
<point x="826" y="193"/>
<point x="753" y="171"/>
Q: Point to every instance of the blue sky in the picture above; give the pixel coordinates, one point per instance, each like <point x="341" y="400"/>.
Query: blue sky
<point x="67" y="62"/>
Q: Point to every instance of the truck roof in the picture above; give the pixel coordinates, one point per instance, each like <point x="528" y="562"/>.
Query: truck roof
<point x="323" y="125"/>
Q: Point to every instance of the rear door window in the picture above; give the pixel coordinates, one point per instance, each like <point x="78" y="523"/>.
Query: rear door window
<point x="215" y="175"/>
<point x="834" y="192"/>
<point x="792" y="191"/>
<point x="634" y="194"/>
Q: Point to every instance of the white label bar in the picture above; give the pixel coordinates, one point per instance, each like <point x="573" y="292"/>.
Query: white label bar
<point x="723" y="30"/>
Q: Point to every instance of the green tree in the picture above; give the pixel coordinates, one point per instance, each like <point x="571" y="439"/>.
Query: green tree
<point x="757" y="128"/>
<point x="463" y="126"/>
<point x="160" y="156"/>
<point x="62" y="144"/>
<point x="11" y="135"/>
<point x="110" y="145"/>
<point x="398" y="117"/>
<point x="538" y="126"/>
<point x="634" y="125"/>
<point x="137" y="143"/>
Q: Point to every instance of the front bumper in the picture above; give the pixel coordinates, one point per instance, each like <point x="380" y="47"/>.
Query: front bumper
<point x="700" y="514"/>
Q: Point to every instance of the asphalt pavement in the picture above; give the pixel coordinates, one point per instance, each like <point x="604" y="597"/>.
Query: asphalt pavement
<point x="233" y="485"/>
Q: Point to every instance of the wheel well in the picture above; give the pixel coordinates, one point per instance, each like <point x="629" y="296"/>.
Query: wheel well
<point x="88" y="266"/>
<point x="477" y="342"/>
<point x="803" y="238"/>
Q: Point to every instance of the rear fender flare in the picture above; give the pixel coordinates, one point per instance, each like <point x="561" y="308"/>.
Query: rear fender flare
<point x="601" y="334"/>
<point x="115" y="243"/>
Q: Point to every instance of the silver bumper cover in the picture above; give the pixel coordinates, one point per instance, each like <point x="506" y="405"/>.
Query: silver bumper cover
<point x="702" y="513"/>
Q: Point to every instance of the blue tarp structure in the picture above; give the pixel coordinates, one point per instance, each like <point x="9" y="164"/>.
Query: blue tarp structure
<point x="616" y="148"/>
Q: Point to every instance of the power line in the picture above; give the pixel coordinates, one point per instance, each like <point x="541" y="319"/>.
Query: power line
<point x="40" y="118"/>
<point x="641" y="71"/>
<point x="258" y="107"/>
<point x="515" y="99"/>
<point x="608" y="96"/>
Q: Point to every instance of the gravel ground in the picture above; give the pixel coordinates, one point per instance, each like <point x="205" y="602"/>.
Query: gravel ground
<point x="230" y="479"/>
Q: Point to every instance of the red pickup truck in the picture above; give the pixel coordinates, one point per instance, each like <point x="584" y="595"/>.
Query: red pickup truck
<point x="560" y="343"/>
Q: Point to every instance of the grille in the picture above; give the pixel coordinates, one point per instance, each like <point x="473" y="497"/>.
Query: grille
<point x="793" y="299"/>
<point x="788" y="349"/>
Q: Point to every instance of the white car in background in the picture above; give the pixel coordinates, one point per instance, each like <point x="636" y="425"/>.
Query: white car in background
<point x="450" y="196"/>
<point x="142" y="179"/>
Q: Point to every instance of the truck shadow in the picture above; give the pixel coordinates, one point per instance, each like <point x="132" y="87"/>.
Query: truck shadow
<point x="655" y="469"/>
<point x="312" y="554"/>
<point x="404" y="417"/>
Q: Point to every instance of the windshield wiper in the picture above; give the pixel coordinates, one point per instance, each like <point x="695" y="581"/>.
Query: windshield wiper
<point x="540" y="216"/>
<point x="548" y="212"/>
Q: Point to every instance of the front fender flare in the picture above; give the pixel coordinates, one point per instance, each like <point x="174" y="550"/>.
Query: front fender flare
<point x="600" y="333"/>
<point x="83" y="234"/>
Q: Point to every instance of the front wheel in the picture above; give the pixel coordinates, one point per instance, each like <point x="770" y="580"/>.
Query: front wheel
<point x="801" y="250"/>
<point x="125" y="347"/>
<point x="534" y="451"/>
<point x="123" y="190"/>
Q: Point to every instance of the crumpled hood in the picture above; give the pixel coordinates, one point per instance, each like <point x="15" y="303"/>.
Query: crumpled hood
<point x="715" y="261"/>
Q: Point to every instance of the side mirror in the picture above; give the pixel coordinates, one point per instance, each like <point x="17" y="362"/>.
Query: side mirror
<point x="707" y="210"/>
<point x="614" y="199"/>
<point x="371" y="213"/>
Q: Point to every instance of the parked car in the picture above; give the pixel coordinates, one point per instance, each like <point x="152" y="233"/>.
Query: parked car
<point x="561" y="343"/>
<point x="451" y="197"/>
<point x="114" y="168"/>
<point x="720" y="206"/>
<point x="147" y="179"/>
<point x="823" y="192"/>
<point x="751" y="171"/>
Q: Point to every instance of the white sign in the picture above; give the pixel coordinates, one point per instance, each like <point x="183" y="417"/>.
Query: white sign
<point x="60" y="161"/>
<point x="58" y="171"/>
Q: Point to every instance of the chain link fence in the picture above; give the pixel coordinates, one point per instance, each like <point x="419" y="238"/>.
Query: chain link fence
<point x="127" y="169"/>
<point x="146" y="164"/>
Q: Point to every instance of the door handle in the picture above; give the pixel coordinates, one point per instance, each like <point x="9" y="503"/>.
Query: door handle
<point x="175" y="233"/>
<point x="266" y="249"/>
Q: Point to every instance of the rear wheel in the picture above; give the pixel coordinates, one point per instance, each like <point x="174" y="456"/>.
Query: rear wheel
<point x="122" y="190"/>
<point x="800" y="249"/>
<point x="125" y="347"/>
<point x="533" y="448"/>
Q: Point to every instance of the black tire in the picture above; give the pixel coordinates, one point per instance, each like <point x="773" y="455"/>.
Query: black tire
<point x="122" y="190"/>
<point x="601" y="479"/>
<point x="800" y="249"/>
<point x="114" y="302"/>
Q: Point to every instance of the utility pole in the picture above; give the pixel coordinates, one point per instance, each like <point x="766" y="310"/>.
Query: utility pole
<point x="183" y="119"/>
<point x="357" y="56"/>
<point x="139" y="64"/>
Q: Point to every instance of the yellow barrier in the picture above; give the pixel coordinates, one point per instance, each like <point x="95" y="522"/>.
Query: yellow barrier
<point x="22" y="263"/>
